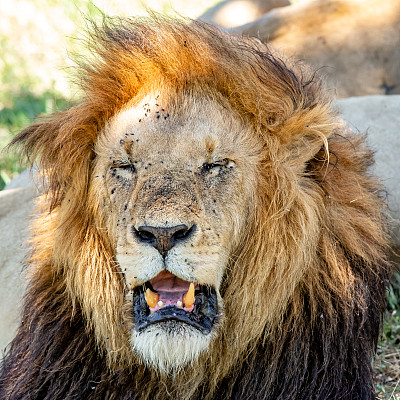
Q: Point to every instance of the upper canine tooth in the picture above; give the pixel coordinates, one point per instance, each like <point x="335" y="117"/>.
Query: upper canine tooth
<point x="151" y="298"/>
<point x="188" y="298"/>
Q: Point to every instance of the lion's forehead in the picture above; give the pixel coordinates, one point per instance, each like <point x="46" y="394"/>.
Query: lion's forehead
<point x="181" y="134"/>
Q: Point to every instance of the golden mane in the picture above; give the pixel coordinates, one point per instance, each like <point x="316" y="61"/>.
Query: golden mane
<point x="313" y="259"/>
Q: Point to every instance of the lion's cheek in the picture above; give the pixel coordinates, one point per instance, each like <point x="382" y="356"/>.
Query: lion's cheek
<point x="137" y="265"/>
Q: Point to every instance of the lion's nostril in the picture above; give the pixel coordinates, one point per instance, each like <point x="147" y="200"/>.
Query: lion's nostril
<point x="144" y="235"/>
<point x="182" y="233"/>
<point x="163" y="239"/>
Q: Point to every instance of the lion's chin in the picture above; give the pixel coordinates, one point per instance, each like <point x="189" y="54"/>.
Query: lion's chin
<point x="169" y="346"/>
<point x="174" y="322"/>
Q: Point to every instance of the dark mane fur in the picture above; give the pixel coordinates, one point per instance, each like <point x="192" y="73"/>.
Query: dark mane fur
<point x="54" y="357"/>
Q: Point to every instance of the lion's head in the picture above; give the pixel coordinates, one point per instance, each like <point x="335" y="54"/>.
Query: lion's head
<point x="206" y="207"/>
<point x="175" y="179"/>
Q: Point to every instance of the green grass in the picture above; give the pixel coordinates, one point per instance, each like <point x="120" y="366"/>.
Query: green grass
<point x="23" y="109"/>
<point x="387" y="363"/>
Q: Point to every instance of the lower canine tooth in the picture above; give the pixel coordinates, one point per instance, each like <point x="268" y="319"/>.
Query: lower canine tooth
<point x="188" y="298"/>
<point x="151" y="298"/>
<point x="179" y="303"/>
<point x="160" y="303"/>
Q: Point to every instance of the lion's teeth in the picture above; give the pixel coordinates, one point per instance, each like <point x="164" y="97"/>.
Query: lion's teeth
<point x="179" y="303"/>
<point x="151" y="298"/>
<point x="160" y="303"/>
<point x="188" y="298"/>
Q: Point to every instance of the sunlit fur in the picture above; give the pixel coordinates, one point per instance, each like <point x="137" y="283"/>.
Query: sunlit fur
<point x="305" y="286"/>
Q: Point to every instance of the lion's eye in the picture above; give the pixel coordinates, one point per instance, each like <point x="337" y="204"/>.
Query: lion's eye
<point x="217" y="167"/>
<point x="126" y="166"/>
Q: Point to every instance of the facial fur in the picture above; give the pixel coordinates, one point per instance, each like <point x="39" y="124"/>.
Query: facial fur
<point x="163" y="163"/>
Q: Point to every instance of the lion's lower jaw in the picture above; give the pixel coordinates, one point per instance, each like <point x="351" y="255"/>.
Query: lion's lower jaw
<point x="170" y="350"/>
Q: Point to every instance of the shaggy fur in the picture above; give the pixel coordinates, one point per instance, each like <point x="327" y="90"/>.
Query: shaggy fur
<point x="305" y="288"/>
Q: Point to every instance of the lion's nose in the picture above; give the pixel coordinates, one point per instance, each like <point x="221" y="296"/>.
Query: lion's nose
<point x="163" y="239"/>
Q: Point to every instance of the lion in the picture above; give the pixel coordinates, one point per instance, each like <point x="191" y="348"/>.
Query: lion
<point x="208" y="229"/>
<point x="339" y="36"/>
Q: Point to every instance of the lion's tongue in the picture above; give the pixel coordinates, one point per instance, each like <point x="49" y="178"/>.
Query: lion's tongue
<point x="167" y="282"/>
<point x="170" y="290"/>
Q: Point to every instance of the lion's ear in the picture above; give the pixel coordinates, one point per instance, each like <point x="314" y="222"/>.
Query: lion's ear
<point x="303" y="134"/>
<point x="61" y="147"/>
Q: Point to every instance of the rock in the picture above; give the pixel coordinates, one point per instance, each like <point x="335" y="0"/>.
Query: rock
<point x="16" y="206"/>
<point x="379" y="117"/>
<point x="24" y="179"/>
<point x="354" y="42"/>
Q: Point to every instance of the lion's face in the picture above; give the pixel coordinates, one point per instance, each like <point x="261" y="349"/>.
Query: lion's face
<point x="177" y="180"/>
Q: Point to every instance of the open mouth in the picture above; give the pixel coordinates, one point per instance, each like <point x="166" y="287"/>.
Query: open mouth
<point x="169" y="298"/>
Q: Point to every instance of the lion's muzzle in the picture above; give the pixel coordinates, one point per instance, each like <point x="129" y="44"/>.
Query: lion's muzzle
<point x="163" y="239"/>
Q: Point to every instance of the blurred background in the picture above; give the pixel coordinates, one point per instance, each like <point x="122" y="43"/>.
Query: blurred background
<point x="38" y="37"/>
<point x="36" y="40"/>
